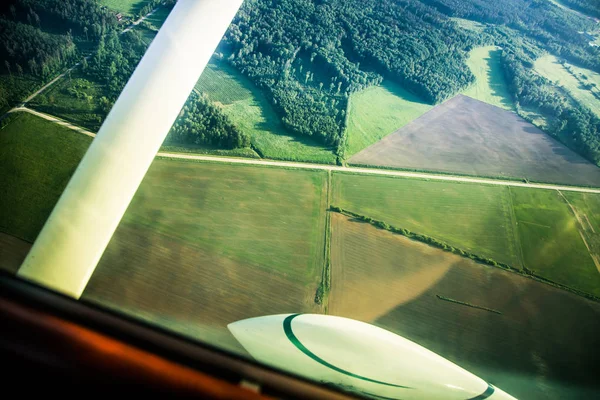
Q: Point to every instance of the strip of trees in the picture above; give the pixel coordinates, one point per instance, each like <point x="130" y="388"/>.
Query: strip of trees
<point x="202" y="122"/>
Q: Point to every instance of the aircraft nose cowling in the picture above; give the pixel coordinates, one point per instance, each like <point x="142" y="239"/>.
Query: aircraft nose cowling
<point x="358" y="357"/>
<point x="500" y="395"/>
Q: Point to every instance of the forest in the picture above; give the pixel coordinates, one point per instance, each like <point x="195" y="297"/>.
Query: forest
<point x="553" y="28"/>
<point x="40" y="38"/>
<point x="589" y="7"/>
<point x="309" y="56"/>
<point x="202" y="122"/>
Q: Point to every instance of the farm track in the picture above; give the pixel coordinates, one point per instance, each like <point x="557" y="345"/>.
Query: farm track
<point x="324" y="167"/>
<point x="582" y="230"/>
<point x="22" y="105"/>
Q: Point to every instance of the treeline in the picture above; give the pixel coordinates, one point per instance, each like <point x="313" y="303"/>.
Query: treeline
<point x="202" y="122"/>
<point x="309" y="56"/>
<point x="411" y="43"/>
<point x="80" y="17"/>
<point x="115" y="60"/>
<point x="446" y="247"/>
<point x="588" y="7"/>
<point x="570" y="122"/>
<point x="26" y="49"/>
<point x="555" y="29"/>
<point x="152" y="4"/>
<point x="423" y="238"/>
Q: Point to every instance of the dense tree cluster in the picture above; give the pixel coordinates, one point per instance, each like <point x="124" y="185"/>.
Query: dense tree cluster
<point x="555" y="29"/>
<point x="152" y="4"/>
<point x="115" y="60"/>
<point x="24" y="48"/>
<point x="80" y="17"/>
<point x="589" y="7"/>
<point x="309" y="56"/>
<point x="572" y="123"/>
<point x="202" y="122"/>
<point x="413" y="44"/>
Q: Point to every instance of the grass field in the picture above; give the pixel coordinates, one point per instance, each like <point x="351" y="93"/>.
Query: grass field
<point x="386" y="279"/>
<point x="378" y="111"/>
<point x="208" y="244"/>
<point x="127" y="7"/>
<point x="471" y="217"/>
<point x="37" y="159"/>
<point x="586" y="208"/>
<point x="551" y="242"/>
<point x="469" y="24"/>
<point x="490" y="85"/>
<point x="550" y="67"/>
<point x="251" y="112"/>
<point x="470" y="137"/>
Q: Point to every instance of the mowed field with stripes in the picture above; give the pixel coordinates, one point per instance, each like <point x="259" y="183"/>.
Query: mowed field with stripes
<point x="530" y="229"/>
<point x="203" y="245"/>
<point x="393" y="282"/>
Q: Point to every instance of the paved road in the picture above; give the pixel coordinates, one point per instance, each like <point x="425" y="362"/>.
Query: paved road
<point x="358" y="170"/>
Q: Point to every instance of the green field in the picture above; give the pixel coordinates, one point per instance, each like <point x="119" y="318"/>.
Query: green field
<point x="203" y="245"/>
<point x="378" y="111"/>
<point x="586" y="208"/>
<point x="251" y="112"/>
<point x="476" y="218"/>
<point x="551" y="68"/>
<point x="551" y="242"/>
<point x="37" y="159"/>
<point x="490" y="85"/>
<point x="469" y="25"/>
<point x="266" y="217"/>
<point x="127" y="7"/>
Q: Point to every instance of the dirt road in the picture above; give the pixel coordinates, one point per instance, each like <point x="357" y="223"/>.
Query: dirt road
<point x="366" y="171"/>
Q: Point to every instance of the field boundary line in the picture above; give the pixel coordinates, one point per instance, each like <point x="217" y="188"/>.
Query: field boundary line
<point x="322" y="294"/>
<point x="462" y="303"/>
<point x="381" y="172"/>
<point x="581" y="230"/>
<point x="334" y="168"/>
<point x="515" y="223"/>
<point x="433" y="242"/>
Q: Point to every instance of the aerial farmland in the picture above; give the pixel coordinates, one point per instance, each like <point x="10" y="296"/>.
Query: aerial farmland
<point x="438" y="178"/>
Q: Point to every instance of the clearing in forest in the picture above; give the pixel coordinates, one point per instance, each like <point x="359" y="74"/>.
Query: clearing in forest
<point x="490" y="85"/>
<point x="470" y="137"/>
<point x="127" y="7"/>
<point x="203" y="245"/>
<point x="582" y="84"/>
<point x="251" y="112"/>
